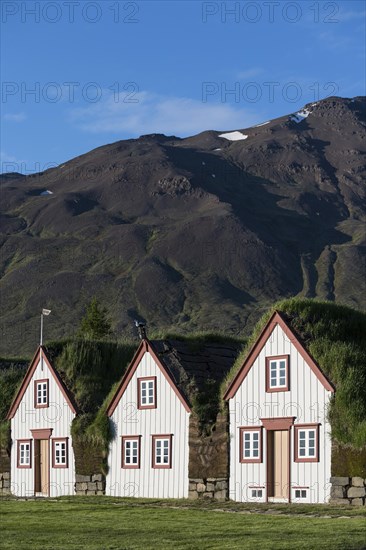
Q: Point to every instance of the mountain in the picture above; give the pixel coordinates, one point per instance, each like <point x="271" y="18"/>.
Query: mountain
<point x="201" y="233"/>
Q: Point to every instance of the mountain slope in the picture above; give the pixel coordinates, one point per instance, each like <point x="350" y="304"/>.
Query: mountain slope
<point x="196" y="233"/>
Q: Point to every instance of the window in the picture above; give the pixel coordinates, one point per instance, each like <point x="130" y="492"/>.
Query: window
<point x="60" y="453"/>
<point x="257" y="493"/>
<point x="41" y="393"/>
<point x="277" y="373"/>
<point x="307" y="443"/>
<point x="146" y="390"/>
<point x="250" y="445"/>
<point x="300" y="493"/>
<point x="24" y="453"/>
<point x="131" y="452"/>
<point x="162" y="451"/>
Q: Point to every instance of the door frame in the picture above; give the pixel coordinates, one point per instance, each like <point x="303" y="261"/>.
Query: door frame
<point x="283" y="423"/>
<point x="44" y="434"/>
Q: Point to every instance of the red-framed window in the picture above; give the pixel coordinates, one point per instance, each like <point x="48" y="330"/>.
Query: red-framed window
<point x="306" y="445"/>
<point x="24" y="453"/>
<point x="60" y="452"/>
<point x="162" y="451"/>
<point x="131" y="448"/>
<point x="146" y="392"/>
<point x="41" y="390"/>
<point x="277" y="373"/>
<point x="250" y="447"/>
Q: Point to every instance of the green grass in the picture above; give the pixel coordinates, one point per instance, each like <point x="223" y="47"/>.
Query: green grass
<point x="102" y="523"/>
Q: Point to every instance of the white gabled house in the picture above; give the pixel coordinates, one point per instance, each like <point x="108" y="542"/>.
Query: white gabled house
<point x="42" y="458"/>
<point x="148" y="456"/>
<point x="280" y="443"/>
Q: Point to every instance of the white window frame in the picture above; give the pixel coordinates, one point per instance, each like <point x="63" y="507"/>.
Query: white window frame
<point x="250" y="444"/>
<point x="24" y="459"/>
<point x="162" y="443"/>
<point x="300" y="493"/>
<point x="307" y="439"/>
<point x="60" y="452"/>
<point x="147" y="392"/>
<point x="277" y="373"/>
<point x="127" y="461"/>
<point x="41" y="393"/>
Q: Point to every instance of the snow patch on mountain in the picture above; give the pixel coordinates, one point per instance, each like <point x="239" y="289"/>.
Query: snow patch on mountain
<point x="300" y="116"/>
<point x="47" y="192"/>
<point x="234" y="136"/>
<point x="262" y="124"/>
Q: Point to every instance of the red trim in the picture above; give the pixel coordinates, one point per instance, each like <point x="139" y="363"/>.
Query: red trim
<point x="276" y="319"/>
<point x="153" y="463"/>
<point x="242" y="430"/>
<point x="280" y="423"/>
<point x="60" y="439"/>
<point x="298" y="427"/>
<point x="28" y="377"/>
<point x="144" y="347"/>
<point x="268" y="373"/>
<point x="36" y="404"/>
<point x="283" y="423"/>
<point x="24" y="466"/>
<point x="146" y="379"/>
<point x="131" y="438"/>
<point x="42" y="434"/>
<point x="300" y="487"/>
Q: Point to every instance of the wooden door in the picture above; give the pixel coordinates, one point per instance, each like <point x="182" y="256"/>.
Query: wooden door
<point x="278" y="464"/>
<point x="41" y="466"/>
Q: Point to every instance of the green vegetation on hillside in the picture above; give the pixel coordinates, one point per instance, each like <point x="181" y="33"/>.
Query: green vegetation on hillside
<point x="95" y="324"/>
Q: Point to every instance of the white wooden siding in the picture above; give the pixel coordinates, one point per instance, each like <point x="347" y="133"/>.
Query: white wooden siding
<point x="57" y="416"/>
<point x="307" y="400"/>
<point x="170" y="417"/>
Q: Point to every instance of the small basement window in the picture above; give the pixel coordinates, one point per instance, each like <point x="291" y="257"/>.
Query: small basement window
<point x="301" y="493"/>
<point x="257" y="493"/>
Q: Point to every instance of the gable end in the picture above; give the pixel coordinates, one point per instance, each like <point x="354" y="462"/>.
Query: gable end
<point x="275" y="320"/>
<point x="144" y="347"/>
<point x="28" y="377"/>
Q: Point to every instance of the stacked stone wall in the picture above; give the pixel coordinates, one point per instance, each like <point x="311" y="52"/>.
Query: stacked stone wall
<point x="348" y="490"/>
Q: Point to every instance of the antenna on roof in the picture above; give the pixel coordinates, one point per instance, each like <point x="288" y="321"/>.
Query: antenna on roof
<point x="141" y="329"/>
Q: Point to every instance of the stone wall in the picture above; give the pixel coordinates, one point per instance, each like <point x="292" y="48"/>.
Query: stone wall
<point x="212" y="487"/>
<point x="90" y="485"/>
<point x="348" y="490"/>
<point x="5" y="483"/>
<point x="208" y="453"/>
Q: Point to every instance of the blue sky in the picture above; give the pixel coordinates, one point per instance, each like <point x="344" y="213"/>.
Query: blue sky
<point x="79" y="74"/>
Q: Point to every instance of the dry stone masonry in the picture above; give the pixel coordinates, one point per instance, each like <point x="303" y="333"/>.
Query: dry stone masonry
<point x="208" y="488"/>
<point x="90" y="485"/>
<point x="346" y="490"/>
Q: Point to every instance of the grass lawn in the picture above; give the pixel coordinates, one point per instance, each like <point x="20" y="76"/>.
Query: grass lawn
<point x="105" y="523"/>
